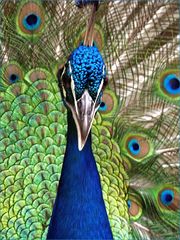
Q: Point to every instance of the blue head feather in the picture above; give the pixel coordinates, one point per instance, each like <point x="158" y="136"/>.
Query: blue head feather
<point x="88" y="70"/>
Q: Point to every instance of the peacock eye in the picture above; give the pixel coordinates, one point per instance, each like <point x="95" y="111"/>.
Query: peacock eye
<point x="167" y="85"/>
<point x="102" y="107"/>
<point x="108" y="104"/>
<point x="13" y="78"/>
<point x="12" y="72"/>
<point x="129" y="204"/>
<point x="32" y="21"/>
<point x="171" y="84"/>
<point x="137" y="146"/>
<point x="167" y="197"/>
<point x="134" y="147"/>
<point x="135" y="208"/>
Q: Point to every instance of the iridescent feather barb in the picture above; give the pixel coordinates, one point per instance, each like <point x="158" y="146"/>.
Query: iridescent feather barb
<point x="135" y="132"/>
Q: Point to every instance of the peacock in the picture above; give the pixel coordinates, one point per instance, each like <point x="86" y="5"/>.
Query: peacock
<point x="89" y="105"/>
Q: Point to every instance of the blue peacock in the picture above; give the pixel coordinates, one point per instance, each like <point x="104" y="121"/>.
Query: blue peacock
<point x="89" y="101"/>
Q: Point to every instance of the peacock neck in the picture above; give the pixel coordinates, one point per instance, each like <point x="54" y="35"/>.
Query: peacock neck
<point x="79" y="210"/>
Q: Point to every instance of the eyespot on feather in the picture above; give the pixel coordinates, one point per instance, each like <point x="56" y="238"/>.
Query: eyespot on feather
<point x="136" y="146"/>
<point x="168" y="198"/>
<point x="30" y="19"/>
<point x="102" y="107"/>
<point x="171" y="84"/>
<point x="12" y="72"/>
<point x="109" y="104"/>
<point x="134" y="208"/>
<point x="167" y="85"/>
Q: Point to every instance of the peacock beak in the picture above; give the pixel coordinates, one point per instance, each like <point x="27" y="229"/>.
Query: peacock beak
<point x="86" y="111"/>
<point x="83" y="112"/>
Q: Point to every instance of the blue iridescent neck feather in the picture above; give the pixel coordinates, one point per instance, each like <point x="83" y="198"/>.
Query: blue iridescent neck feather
<point x="79" y="210"/>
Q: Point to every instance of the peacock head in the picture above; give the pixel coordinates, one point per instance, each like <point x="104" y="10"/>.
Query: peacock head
<point x="81" y="83"/>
